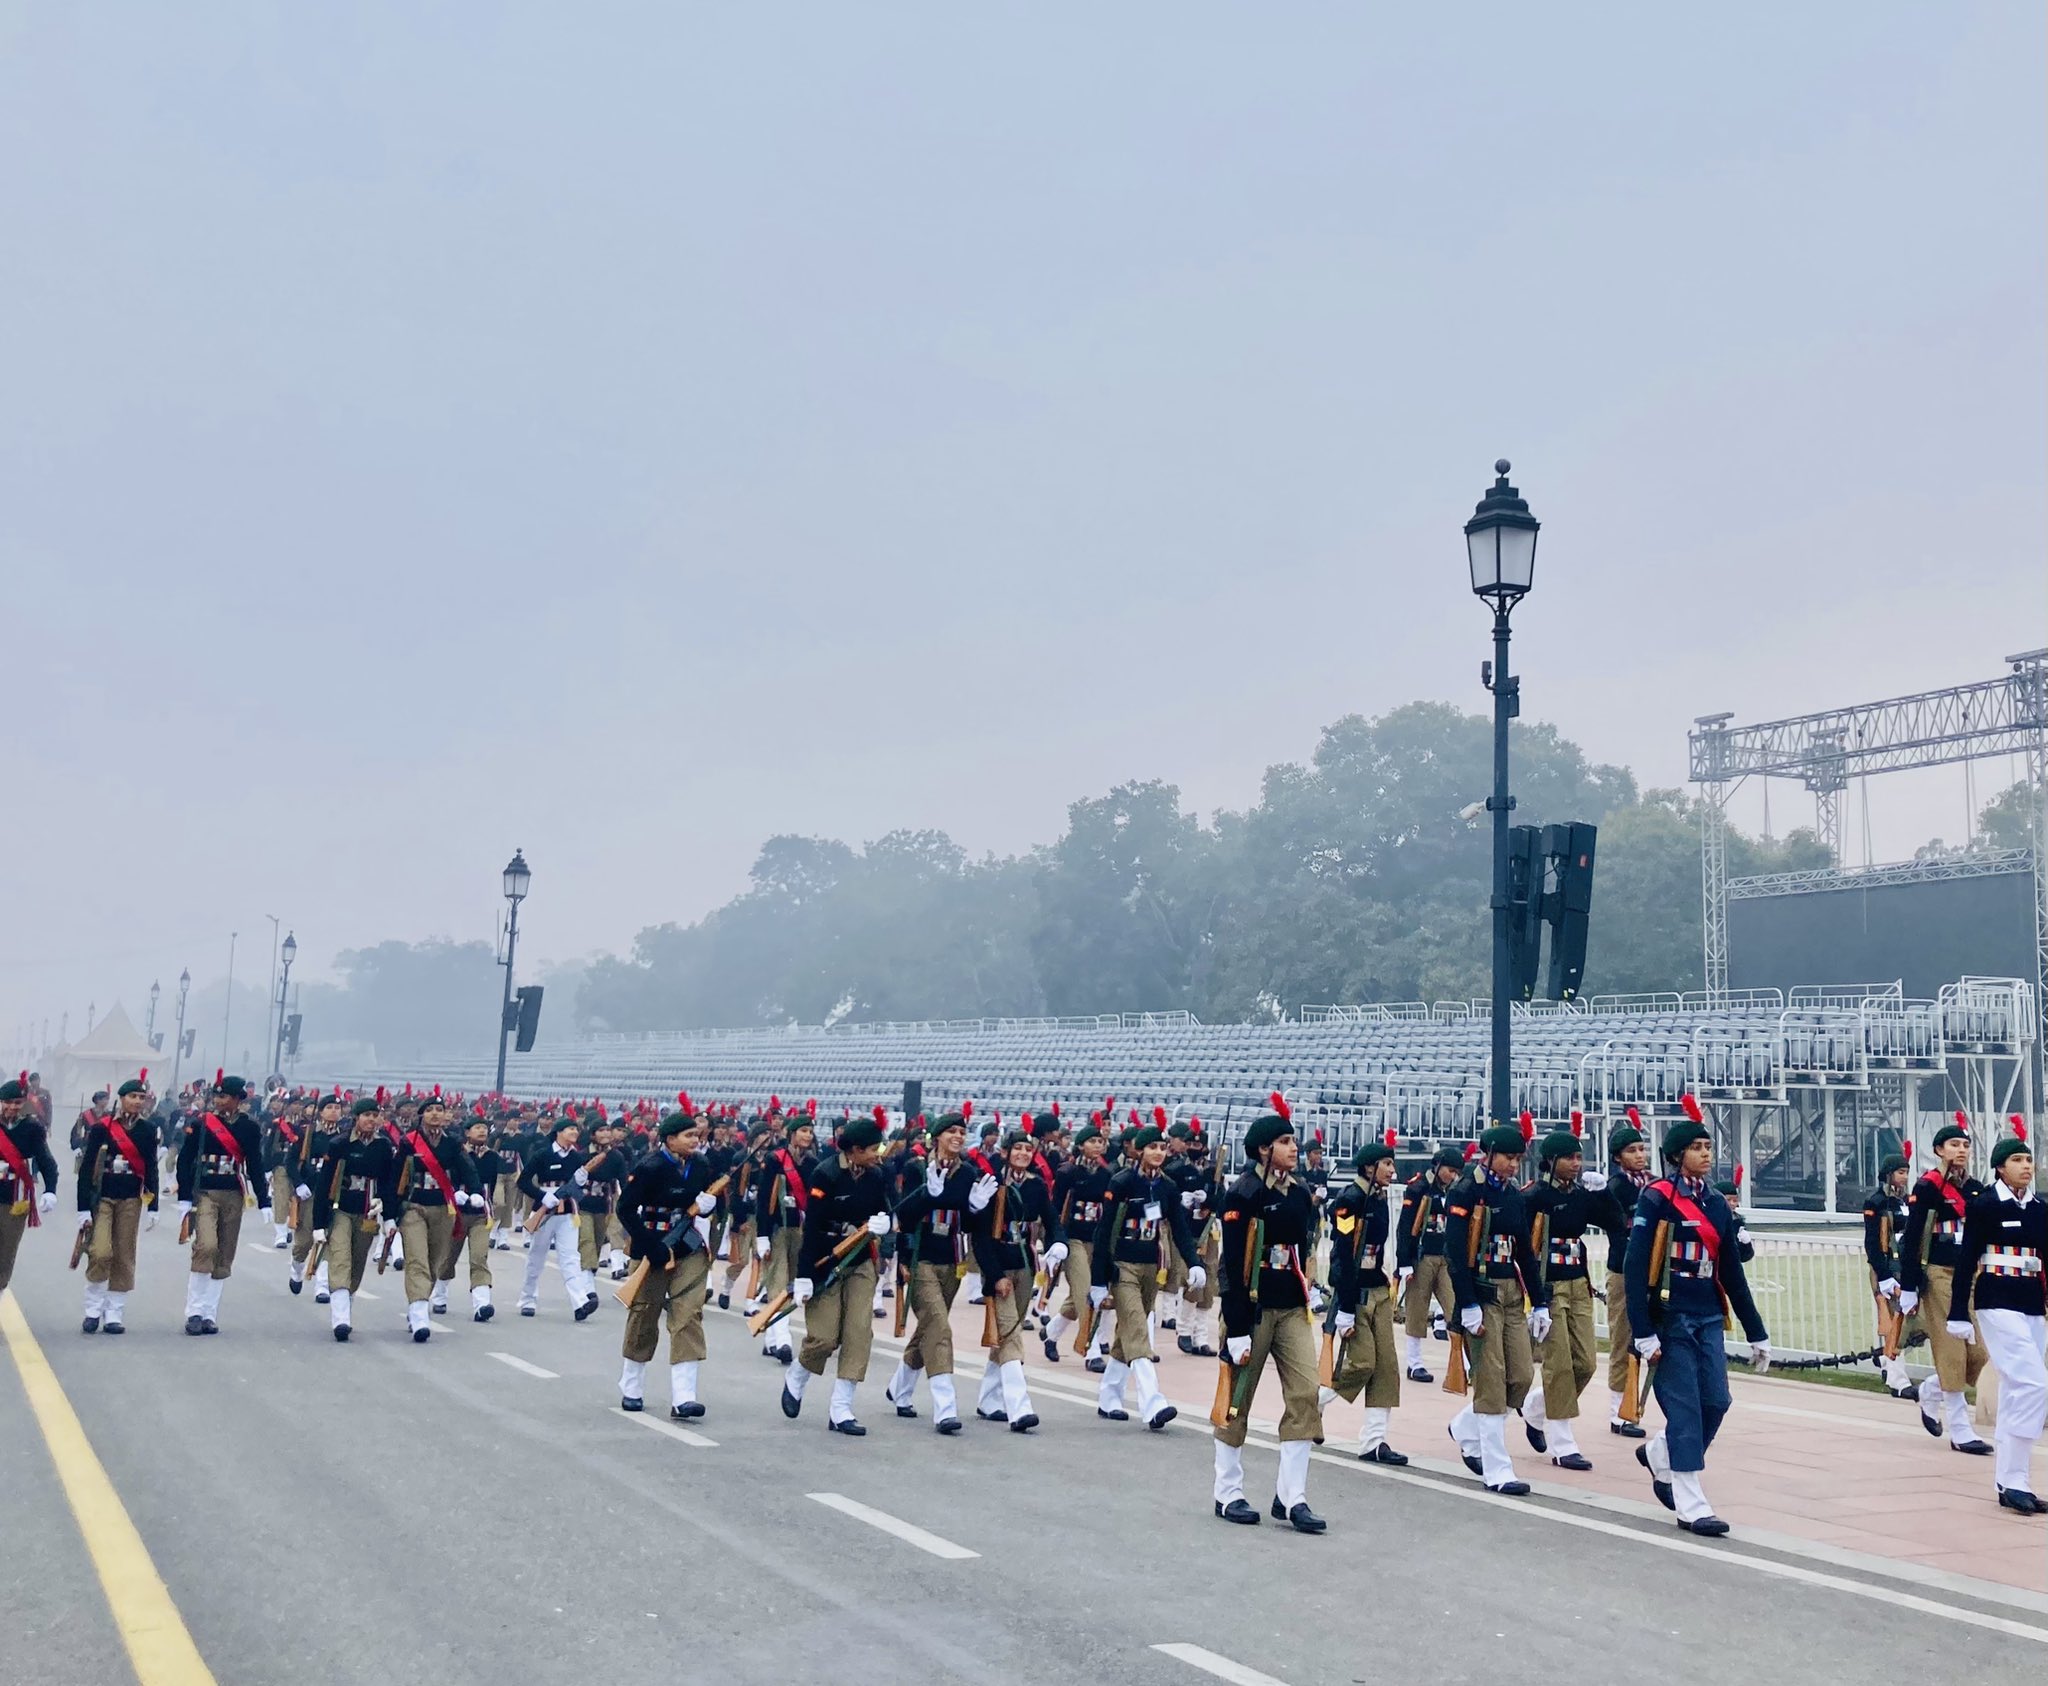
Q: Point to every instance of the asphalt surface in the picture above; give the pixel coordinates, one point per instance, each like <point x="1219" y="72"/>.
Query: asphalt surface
<point x="388" y="1510"/>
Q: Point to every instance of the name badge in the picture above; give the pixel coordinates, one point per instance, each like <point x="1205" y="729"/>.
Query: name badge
<point x="1152" y="1212"/>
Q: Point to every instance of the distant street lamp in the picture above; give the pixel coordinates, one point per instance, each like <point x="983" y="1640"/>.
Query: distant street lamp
<point x="149" y="1026"/>
<point x="289" y="952"/>
<point x="518" y="876"/>
<point x="178" y="1056"/>
<point x="1500" y="543"/>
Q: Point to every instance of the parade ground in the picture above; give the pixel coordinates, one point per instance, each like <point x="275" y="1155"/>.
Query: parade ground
<point x="265" y="1505"/>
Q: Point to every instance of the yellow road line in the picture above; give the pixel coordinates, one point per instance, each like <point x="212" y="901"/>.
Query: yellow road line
<point x="159" y="1646"/>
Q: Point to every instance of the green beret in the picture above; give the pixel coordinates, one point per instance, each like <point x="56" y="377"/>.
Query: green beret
<point x="1729" y="1191"/>
<point x="1447" y="1159"/>
<point x="232" y="1087"/>
<point x="1562" y="1144"/>
<point x="1127" y="1136"/>
<point x="1144" y="1136"/>
<point x="1014" y="1137"/>
<point x="1681" y="1136"/>
<point x="675" y="1123"/>
<point x="2007" y="1148"/>
<point x="860" y="1132"/>
<point x="1502" y="1138"/>
<point x="1371" y="1154"/>
<point x="950" y="1121"/>
<point x="1180" y="1133"/>
<point x="1264" y="1132"/>
<point x="364" y="1107"/>
<point x="1087" y="1133"/>
<point x="1624" y="1136"/>
<point x="1045" y="1124"/>
<point x="1891" y="1162"/>
<point x="1950" y="1133"/>
<point x="134" y="1086"/>
<point x="12" y="1090"/>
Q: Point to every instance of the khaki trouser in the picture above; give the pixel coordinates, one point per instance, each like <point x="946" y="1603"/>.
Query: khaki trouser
<point x="1009" y="1319"/>
<point x="1131" y="1293"/>
<point x="302" y="1234"/>
<point x="1500" y="1358"/>
<point x="110" y="1254"/>
<point x="1367" y="1361"/>
<point x="216" y="1228"/>
<point x="476" y="1242"/>
<point x="780" y="1273"/>
<point x="505" y="1200"/>
<point x="678" y="1296"/>
<point x="1957" y="1363"/>
<point x="841" y="1319"/>
<point x="349" y="1239"/>
<point x="1570" y="1358"/>
<point x="739" y="1251"/>
<point x="12" y="1223"/>
<point x="429" y="1236"/>
<point x="1289" y="1338"/>
<point x="1432" y="1280"/>
<point x="280" y="1194"/>
<point x="1176" y="1272"/>
<point x="933" y="1288"/>
<point x="590" y="1227"/>
<point x="1211" y="1255"/>
<point x="1617" y="1332"/>
<point x="1078" y="1271"/>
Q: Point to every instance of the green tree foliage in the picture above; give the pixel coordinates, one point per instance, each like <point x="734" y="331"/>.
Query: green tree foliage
<point x="410" y="1000"/>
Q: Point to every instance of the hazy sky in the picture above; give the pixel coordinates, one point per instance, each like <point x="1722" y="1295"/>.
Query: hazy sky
<point x="628" y="431"/>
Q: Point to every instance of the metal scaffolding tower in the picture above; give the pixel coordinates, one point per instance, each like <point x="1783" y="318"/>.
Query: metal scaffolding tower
<point x="2006" y="716"/>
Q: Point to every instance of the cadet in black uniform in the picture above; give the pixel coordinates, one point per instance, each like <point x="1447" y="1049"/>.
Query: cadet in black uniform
<point x="846" y="1196"/>
<point x="310" y="1165"/>
<point x="1007" y="1232"/>
<point x="1684" y="1271"/>
<point x="353" y="1205"/>
<point x="781" y="1194"/>
<point x="1079" y="1189"/>
<point x="665" y="1210"/>
<point x="435" y="1183"/>
<point x="1884" y="1222"/>
<point x="1493" y="1273"/>
<point x="485" y="1165"/>
<point x="1568" y="1356"/>
<point x="1269" y="1236"/>
<point x="2006" y="1234"/>
<point x="24" y="1155"/>
<point x="1419" y="1252"/>
<point x="219" y="1168"/>
<point x="1362" y="1300"/>
<point x="1628" y="1174"/>
<point x="117" y="1194"/>
<point x="1928" y="1256"/>
<point x="932" y="1224"/>
<point x="1142" y="1214"/>
<point x="553" y="1180"/>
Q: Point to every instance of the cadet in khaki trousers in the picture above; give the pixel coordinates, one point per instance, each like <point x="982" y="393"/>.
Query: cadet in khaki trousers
<point x="1493" y="1268"/>
<point x="1362" y="1306"/>
<point x="1004" y="1235"/>
<point x="117" y="1183"/>
<point x="214" y="1168"/>
<point x="349" y="1207"/>
<point x="1568" y="1356"/>
<point x="932" y="1222"/>
<point x="1265" y="1314"/>
<point x="847" y="1197"/>
<point x="778" y="1226"/>
<point x="1628" y="1159"/>
<point x="1424" y="1276"/>
<point x="1928" y="1254"/>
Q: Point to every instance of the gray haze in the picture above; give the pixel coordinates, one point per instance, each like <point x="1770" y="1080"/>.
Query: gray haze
<point x="626" y="432"/>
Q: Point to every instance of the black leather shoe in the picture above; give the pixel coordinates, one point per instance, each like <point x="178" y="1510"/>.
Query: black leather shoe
<point x="1710" y="1527"/>
<point x="209" y="1327"/>
<point x="1416" y="1373"/>
<point x="1168" y="1323"/>
<point x="1973" y="1448"/>
<point x="1024" y="1424"/>
<point x="906" y="1410"/>
<point x="298" y="1287"/>
<point x="1928" y="1420"/>
<point x="586" y="1308"/>
<point x="1166" y="1415"/>
<point x="320" y="1299"/>
<point x="790" y="1403"/>
<point x="1117" y="1416"/>
<point x="1509" y="1489"/>
<point x="1470" y="1462"/>
<point x="1628" y="1431"/>
<point x="1661" y="1488"/>
<point x="688" y="1411"/>
<point x="979" y="1299"/>
<point x="1205" y="1352"/>
<point x="484" y="1312"/>
<point x="1574" y="1461"/>
<point x="1305" y="1520"/>
<point x="1238" y="1511"/>
<point x="438" y="1310"/>
<point x="281" y="1245"/>
<point x="341" y="1332"/>
<point x="992" y="1416"/>
<point x="784" y="1355"/>
<point x="725" y="1302"/>
<point x="1052" y="1352"/>
<point x="1384" y="1454"/>
<point x="1538" y="1440"/>
<point x="1187" y="1344"/>
<point x="1438" y="1332"/>
<point x="528" y="1311"/>
<point x="419" y="1335"/>
<point x="850" y="1426"/>
<point x="113" y="1329"/>
<point x="2019" y="1499"/>
<point x="947" y="1425"/>
<point x="634" y="1405"/>
<point x="1909" y="1391"/>
<point x="1095" y="1366"/>
<point x="91" y="1325"/>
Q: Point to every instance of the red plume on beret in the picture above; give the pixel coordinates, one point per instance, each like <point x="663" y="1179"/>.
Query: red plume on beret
<point x="2019" y="1126"/>
<point x="437" y="1091"/>
<point x="1528" y="1125"/>
<point x="1159" y="1116"/>
<point x="774" y="1103"/>
<point x="1024" y="1122"/>
<point x="966" y="1110"/>
<point x="996" y="1117"/>
<point x="1578" y="1122"/>
<point x="1318" y="1138"/>
<point x="881" y="1115"/>
<point x="1962" y="1118"/>
<point x="1095" y="1118"/>
<point x="683" y="1099"/>
<point x="1194" y="1125"/>
<point x="1635" y="1118"/>
<point x="143" y="1076"/>
<point x="1109" y="1103"/>
<point x="220" y="1073"/>
<point x="1738" y="1176"/>
<point x="1471" y="1151"/>
<point x="1055" y="1109"/>
<point x="380" y="1094"/>
<point x="811" y="1107"/>
<point x="408" y="1086"/>
<point x="1906" y="1151"/>
<point x="1392" y="1137"/>
<point x="1281" y="1107"/>
<point x="1690" y="1102"/>
<point x="920" y="1121"/>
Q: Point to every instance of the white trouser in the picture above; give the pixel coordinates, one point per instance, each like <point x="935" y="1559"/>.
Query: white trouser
<point x="1374" y="1434"/>
<point x="632" y="1379"/>
<point x="196" y="1284"/>
<point x="1291" y="1486"/>
<point x="945" y="1408"/>
<point x="682" y="1382"/>
<point x="1150" y="1400"/>
<point x="1016" y="1396"/>
<point x="2017" y="1346"/>
<point x="1688" y="1498"/>
<point x="842" y="1400"/>
<point x="990" y="1398"/>
<point x="795" y="1378"/>
<point x="337" y="1308"/>
<point x="1057" y="1328"/>
<point x="479" y="1297"/>
<point x="416" y="1315"/>
<point x="1895" y="1376"/>
<point x="1532" y="1406"/>
<point x="1485" y="1438"/>
<point x="320" y="1277"/>
<point x="1109" y="1392"/>
<point x="440" y="1296"/>
<point x="558" y="1234"/>
<point x="1961" y="1429"/>
<point x="95" y="1299"/>
<point x="284" y="1234"/>
<point x="1229" y="1473"/>
<point x="116" y="1304"/>
<point x="902" y="1388"/>
<point x="1413" y="1346"/>
<point x="970" y="1285"/>
<point x="1563" y="1443"/>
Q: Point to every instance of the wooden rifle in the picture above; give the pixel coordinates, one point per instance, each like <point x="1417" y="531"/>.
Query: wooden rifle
<point x="627" y="1290"/>
<point x="1084" y="1331"/>
<point x="991" y="1331"/>
<point x="1635" y="1390"/>
<point x="1457" y="1371"/>
<point x="785" y="1302"/>
<point x="1232" y="1393"/>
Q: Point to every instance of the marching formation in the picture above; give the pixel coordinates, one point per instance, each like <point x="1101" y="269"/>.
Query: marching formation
<point x="1109" y="1234"/>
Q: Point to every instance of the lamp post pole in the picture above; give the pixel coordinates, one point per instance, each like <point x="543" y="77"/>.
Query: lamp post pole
<point x="1500" y="543"/>
<point x="178" y="1056"/>
<point x="270" y="1000"/>
<point x="149" y="1029"/>
<point x="518" y="875"/>
<point x="291" y="953"/>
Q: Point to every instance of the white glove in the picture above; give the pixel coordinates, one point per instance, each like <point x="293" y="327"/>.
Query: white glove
<point x="1098" y="1297"/>
<point x="1539" y="1324"/>
<point x="703" y="1228"/>
<point x="935" y="1182"/>
<point x="319" y="1235"/>
<point x="303" y="1192"/>
<point x="1401" y="1276"/>
<point x="1593" y="1180"/>
<point x="707" y="1203"/>
<point x="1239" y="1348"/>
<point x="1648" y="1347"/>
<point x="1191" y="1199"/>
<point x="184" y="1209"/>
<point x="85" y="1220"/>
<point x="1742" y="1235"/>
<point x="1346" y="1322"/>
<point x="879" y="1224"/>
<point x="1960" y="1329"/>
<point x="149" y="1222"/>
<point x="1887" y="1288"/>
<point x="550" y="1201"/>
<point x="983" y="1191"/>
<point x="800" y="1290"/>
<point x="1472" y="1319"/>
<point x="762" y="1246"/>
<point x="582" y="1176"/>
<point x="1198" y="1279"/>
<point x="1909" y="1302"/>
<point x="1056" y="1255"/>
<point x="1759" y="1356"/>
<point x="46" y="1203"/>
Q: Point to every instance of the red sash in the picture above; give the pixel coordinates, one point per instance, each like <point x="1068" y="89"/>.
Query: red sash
<point x="421" y="1147"/>
<point x="1685" y="1207"/>
<point x="124" y="1144"/>
<point x="290" y="1135"/>
<point x="226" y="1138"/>
<point x="793" y="1180"/>
<point x="1949" y="1192"/>
<point x="10" y="1155"/>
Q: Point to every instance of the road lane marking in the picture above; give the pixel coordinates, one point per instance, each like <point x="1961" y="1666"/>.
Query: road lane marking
<point x="525" y="1368"/>
<point x="688" y="1436"/>
<point x="1209" y="1662"/>
<point x="908" y="1532"/>
<point x="159" y="1646"/>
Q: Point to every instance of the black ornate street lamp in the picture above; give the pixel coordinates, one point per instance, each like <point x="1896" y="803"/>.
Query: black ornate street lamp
<point x="518" y="876"/>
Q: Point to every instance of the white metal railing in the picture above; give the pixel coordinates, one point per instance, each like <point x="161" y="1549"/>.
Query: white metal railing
<point x="1732" y="1000"/>
<point x="1849" y="995"/>
<point x="1987" y="1014"/>
<point x="1903" y="1035"/>
<point x="1651" y="1001"/>
<point x="1823" y="1047"/>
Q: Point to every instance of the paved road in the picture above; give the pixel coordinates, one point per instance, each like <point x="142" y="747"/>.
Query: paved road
<point x="433" y="1513"/>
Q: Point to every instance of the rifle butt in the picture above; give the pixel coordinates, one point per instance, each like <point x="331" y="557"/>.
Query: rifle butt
<point x="991" y="1336"/>
<point x="1084" y="1331"/>
<point x="185" y="1227"/>
<point x="1456" y="1376"/>
<point x="1632" y="1391"/>
<point x="772" y="1312"/>
<point x="1326" y="1363"/>
<point x="902" y="1301"/>
<point x="1219" y="1411"/>
<point x="78" y="1247"/>
<point x="627" y="1290"/>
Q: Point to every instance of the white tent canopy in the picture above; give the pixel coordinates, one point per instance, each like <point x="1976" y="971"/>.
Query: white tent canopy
<point x="103" y="1058"/>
